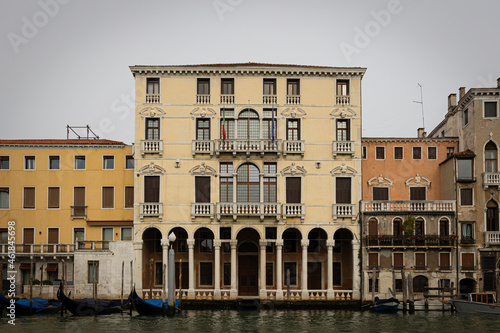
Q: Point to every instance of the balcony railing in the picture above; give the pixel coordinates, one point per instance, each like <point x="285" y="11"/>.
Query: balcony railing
<point x="199" y="209"/>
<point x="293" y="99"/>
<point x="153" y="98"/>
<point x="467" y="268"/>
<point x="408" y="206"/>
<point x="38" y="249"/>
<point x="245" y="209"/>
<point x="293" y="147"/>
<point x="226" y="99"/>
<point x="78" y="212"/>
<point x="92" y="245"/>
<point x="491" y="179"/>
<point x="294" y="210"/>
<point x="343" y="147"/>
<point x="202" y="99"/>
<point x="151" y="147"/>
<point x="247" y="146"/>
<point x="492" y="238"/>
<point x="269" y="99"/>
<point x="344" y="210"/>
<point x="343" y="100"/>
<point x="467" y="241"/>
<point x="151" y="209"/>
<point x="203" y="147"/>
<point x="409" y="241"/>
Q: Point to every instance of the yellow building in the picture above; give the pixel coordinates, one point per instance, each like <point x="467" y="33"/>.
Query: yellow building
<point x="256" y="169"/>
<point x="70" y="200"/>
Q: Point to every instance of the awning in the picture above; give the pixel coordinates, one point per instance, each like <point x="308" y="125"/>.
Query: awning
<point x="26" y="266"/>
<point x="51" y="267"/>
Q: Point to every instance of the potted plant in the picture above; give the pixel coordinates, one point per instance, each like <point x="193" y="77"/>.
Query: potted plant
<point x="47" y="282"/>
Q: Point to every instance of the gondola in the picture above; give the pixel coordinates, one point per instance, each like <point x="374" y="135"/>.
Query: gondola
<point x="150" y="307"/>
<point x="89" y="306"/>
<point x="385" y="305"/>
<point x="22" y="306"/>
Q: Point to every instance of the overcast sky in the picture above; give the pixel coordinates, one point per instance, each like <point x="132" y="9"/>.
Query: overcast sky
<point x="66" y="61"/>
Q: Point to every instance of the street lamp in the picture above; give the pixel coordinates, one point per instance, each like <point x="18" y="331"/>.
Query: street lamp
<point x="171" y="277"/>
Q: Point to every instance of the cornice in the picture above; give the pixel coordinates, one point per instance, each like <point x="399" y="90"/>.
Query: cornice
<point x="426" y="139"/>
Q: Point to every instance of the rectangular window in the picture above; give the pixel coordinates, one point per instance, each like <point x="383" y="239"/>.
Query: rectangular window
<point x="365" y="153"/>
<point x="93" y="271"/>
<point x="293" y="129"/>
<point x="126" y="234"/>
<point x="152" y="129"/>
<point x="227" y="127"/>
<point x="227" y="86"/>
<point x="370" y="285"/>
<point x="269" y="127"/>
<point x="270" y="184"/>
<point x="372" y="260"/>
<point x="269" y="274"/>
<point x="466" y="196"/>
<point x="417" y="153"/>
<point x="468" y="261"/>
<point x="158" y="272"/>
<point x="206" y="273"/>
<point x="129" y="197"/>
<point x="202" y="129"/>
<point x="467" y="233"/>
<point x="29" y="162"/>
<point x="151" y="188"/>
<point x="380" y="193"/>
<point x="293" y="190"/>
<point x="203" y="87"/>
<point x="29" y="198"/>
<point x="129" y="162"/>
<point x="227" y="274"/>
<point x="79" y="162"/>
<point x="271" y="233"/>
<point x="444" y="261"/>
<point x="398" y="153"/>
<point x="226" y="183"/>
<point x="78" y="234"/>
<point x="108" y="162"/>
<point x="269" y="86"/>
<point x="292" y="268"/>
<point x="108" y="197"/>
<point x="107" y="236"/>
<point x="79" y="201"/>
<point x="343" y="130"/>
<point x="432" y="153"/>
<point x="4" y="239"/>
<point x="4" y="198"/>
<point x="450" y="151"/>
<point x="490" y="109"/>
<point x="152" y="85"/>
<point x="292" y="87"/>
<point x="54" y="163"/>
<point x="380" y="153"/>
<point x="417" y="193"/>
<point x="53" y="197"/>
<point x="465" y="170"/>
<point x="4" y="162"/>
<point x="337" y="273"/>
<point x="466" y="116"/>
<point x="420" y="261"/>
<point x="342" y="190"/>
<point x="202" y="189"/>
<point x="342" y="87"/>
<point x="397" y="261"/>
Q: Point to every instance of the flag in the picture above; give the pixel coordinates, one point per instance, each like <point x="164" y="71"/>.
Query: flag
<point x="272" y="125"/>
<point x="223" y="122"/>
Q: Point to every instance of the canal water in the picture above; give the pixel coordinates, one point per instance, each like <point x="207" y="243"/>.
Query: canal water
<point x="262" y="321"/>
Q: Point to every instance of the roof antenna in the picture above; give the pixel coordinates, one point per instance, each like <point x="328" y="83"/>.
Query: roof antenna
<point x="421" y="102"/>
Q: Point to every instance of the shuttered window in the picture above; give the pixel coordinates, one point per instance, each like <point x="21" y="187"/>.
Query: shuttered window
<point x="373" y="260"/>
<point x="373" y="227"/>
<point x="343" y="190"/>
<point x="29" y="198"/>
<point x="53" y="200"/>
<point x="417" y="193"/>
<point x="417" y="153"/>
<point x="129" y="196"/>
<point x="431" y="153"/>
<point x="444" y="261"/>
<point x="468" y="261"/>
<point x="398" y="260"/>
<point x="398" y="153"/>
<point x="202" y="189"/>
<point x="293" y="189"/>
<point x="108" y="197"/>
<point x="380" y="153"/>
<point x="466" y="196"/>
<point x="380" y="193"/>
<point x="397" y="227"/>
<point x="152" y="189"/>
<point x="419" y="260"/>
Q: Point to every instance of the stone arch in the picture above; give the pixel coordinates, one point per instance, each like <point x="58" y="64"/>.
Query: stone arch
<point x="419" y="283"/>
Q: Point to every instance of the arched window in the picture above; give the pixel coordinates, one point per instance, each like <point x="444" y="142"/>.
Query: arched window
<point x="248" y="125"/>
<point x="397" y="227"/>
<point x="248" y="183"/>
<point x="444" y="227"/>
<point x="419" y="227"/>
<point x="492" y="216"/>
<point x="490" y="157"/>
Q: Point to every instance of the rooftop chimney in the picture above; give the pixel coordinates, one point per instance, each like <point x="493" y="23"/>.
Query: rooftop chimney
<point x="462" y="92"/>
<point x="498" y="82"/>
<point x="421" y="133"/>
<point x="452" y="101"/>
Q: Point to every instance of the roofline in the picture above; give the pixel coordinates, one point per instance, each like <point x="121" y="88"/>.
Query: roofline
<point x="394" y="139"/>
<point x="71" y="143"/>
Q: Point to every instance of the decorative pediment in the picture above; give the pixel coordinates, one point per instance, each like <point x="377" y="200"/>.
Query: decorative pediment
<point x="152" y="112"/>
<point x="343" y="113"/>
<point x="380" y="181"/>
<point x="203" y="170"/>
<point x="203" y="113"/>
<point x="343" y="170"/>
<point x="418" y="181"/>
<point x="293" y="113"/>
<point x="151" y="169"/>
<point x="293" y="170"/>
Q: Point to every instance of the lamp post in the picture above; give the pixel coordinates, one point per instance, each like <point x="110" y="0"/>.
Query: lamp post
<point x="171" y="277"/>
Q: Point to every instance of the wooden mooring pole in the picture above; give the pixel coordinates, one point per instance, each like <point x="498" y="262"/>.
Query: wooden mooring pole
<point x="403" y="286"/>
<point x="123" y="271"/>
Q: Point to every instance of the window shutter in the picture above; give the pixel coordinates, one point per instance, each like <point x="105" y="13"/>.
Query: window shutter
<point x="152" y="188"/>
<point x="29" y="197"/>
<point x="108" y="197"/>
<point x="373" y="227"/>
<point x="53" y="197"/>
<point x="293" y="190"/>
<point x="444" y="259"/>
<point x="343" y="190"/>
<point x="129" y="196"/>
<point x="417" y="193"/>
<point x="380" y="193"/>
<point x="373" y="259"/>
<point x="202" y="188"/>
<point x="420" y="259"/>
<point x="398" y="259"/>
<point x="466" y="196"/>
<point x="467" y="259"/>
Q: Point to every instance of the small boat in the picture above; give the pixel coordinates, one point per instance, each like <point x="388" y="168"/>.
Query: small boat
<point x="91" y="306"/>
<point x="22" y="306"/>
<point x="150" y="307"/>
<point x="385" y="305"/>
<point x="432" y="305"/>
<point x="477" y="303"/>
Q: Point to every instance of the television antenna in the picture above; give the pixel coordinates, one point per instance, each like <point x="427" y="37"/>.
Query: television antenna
<point x="421" y="102"/>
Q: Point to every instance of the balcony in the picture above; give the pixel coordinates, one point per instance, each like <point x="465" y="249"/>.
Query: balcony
<point x="389" y="241"/>
<point x="226" y="99"/>
<point x="203" y="99"/>
<point x="492" y="238"/>
<point x="343" y="100"/>
<point x="343" y="147"/>
<point x="78" y="212"/>
<point x="293" y="147"/>
<point x="92" y="245"/>
<point x="467" y="268"/>
<point x="383" y="207"/>
<point x="294" y="210"/>
<point x="151" y="147"/>
<point x="153" y="98"/>
<point x="491" y="179"/>
<point x="235" y="146"/>
<point x="202" y="147"/>
<point x="249" y="209"/>
<point x="202" y="210"/>
<point x="344" y="211"/>
<point x="467" y="241"/>
<point x="39" y="249"/>
<point x="151" y="209"/>
<point x="269" y="99"/>
<point x="292" y="99"/>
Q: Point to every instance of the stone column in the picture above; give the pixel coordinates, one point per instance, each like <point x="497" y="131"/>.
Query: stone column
<point x="355" y="270"/>
<point x="279" y="270"/>
<point x="190" y="243"/>
<point x="234" y="290"/>
<point x="164" y="244"/>
<point x="330" y="295"/>
<point x="138" y="266"/>
<point x="262" y="269"/>
<point x="217" y="244"/>
<point x="305" y="293"/>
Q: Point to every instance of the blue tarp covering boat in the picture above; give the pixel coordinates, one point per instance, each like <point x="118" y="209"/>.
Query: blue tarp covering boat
<point x="150" y="307"/>
<point x="39" y="305"/>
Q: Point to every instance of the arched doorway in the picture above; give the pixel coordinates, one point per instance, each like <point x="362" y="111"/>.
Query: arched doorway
<point x="292" y="257"/>
<point x="317" y="255"/>
<point x="248" y="262"/>
<point x="467" y="286"/>
<point x="181" y="258"/>
<point x="420" y="282"/>
<point x="204" y="254"/>
<point x="342" y="259"/>
<point x="152" y="259"/>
